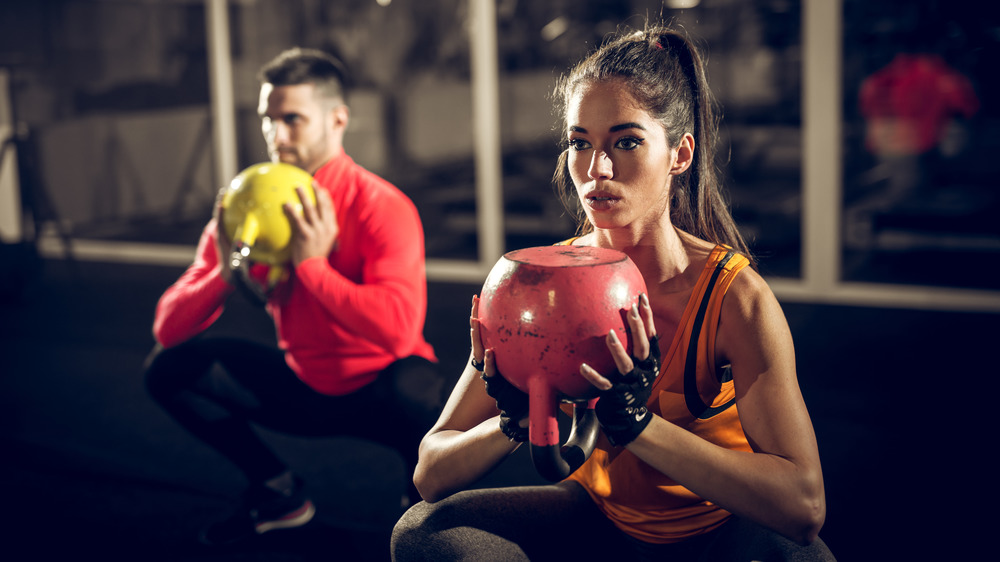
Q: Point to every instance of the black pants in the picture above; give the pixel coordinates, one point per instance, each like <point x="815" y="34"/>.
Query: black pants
<point x="218" y="388"/>
<point x="561" y="522"/>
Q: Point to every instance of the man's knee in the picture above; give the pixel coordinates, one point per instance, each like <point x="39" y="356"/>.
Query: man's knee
<point x="154" y="371"/>
<point x="418" y="386"/>
<point x="169" y="370"/>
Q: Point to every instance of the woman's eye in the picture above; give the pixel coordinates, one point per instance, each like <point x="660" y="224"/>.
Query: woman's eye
<point x="628" y="143"/>
<point x="578" y="144"/>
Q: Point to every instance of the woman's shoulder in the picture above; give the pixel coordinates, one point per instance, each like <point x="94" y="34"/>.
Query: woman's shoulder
<point x="749" y="300"/>
<point x="750" y="317"/>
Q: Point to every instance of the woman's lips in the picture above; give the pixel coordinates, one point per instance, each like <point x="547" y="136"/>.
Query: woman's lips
<point x="601" y="200"/>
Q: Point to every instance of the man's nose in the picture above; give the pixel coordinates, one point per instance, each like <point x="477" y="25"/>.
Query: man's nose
<point x="276" y="133"/>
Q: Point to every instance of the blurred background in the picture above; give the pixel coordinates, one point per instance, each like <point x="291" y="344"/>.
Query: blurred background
<point x="859" y="137"/>
<point x="113" y="102"/>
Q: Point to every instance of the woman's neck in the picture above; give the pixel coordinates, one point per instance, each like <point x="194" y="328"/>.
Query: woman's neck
<point x="664" y="255"/>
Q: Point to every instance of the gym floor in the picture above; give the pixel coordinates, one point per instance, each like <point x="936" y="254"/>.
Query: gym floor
<point x="899" y="400"/>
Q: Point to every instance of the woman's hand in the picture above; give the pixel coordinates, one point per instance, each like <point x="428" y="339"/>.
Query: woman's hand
<point x="512" y="403"/>
<point x="622" y="406"/>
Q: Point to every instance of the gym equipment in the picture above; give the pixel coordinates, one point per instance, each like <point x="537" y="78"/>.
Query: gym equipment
<point x="256" y="223"/>
<point x="545" y="311"/>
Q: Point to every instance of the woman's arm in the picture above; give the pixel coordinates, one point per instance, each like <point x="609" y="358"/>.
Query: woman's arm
<point x="780" y="484"/>
<point x="464" y="445"/>
<point x="466" y="442"/>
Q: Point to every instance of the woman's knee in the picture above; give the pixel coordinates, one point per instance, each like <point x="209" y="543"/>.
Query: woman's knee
<point x="741" y="537"/>
<point x="498" y="523"/>
<point x="410" y="535"/>
<point x="456" y="528"/>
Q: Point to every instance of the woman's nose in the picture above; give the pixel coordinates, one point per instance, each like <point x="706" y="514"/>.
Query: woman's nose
<point x="600" y="166"/>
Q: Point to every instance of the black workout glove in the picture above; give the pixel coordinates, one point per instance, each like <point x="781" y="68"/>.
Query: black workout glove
<point x="622" y="408"/>
<point x="512" y="403"/>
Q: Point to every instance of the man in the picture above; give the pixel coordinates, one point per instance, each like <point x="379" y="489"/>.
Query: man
<point x="350" y="357"/>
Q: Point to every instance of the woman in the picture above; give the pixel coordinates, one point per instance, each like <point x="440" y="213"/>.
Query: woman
<point x="708" y="455"/>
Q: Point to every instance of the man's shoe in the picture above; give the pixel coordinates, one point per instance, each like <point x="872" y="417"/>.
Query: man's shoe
<point x="262" y="510"/>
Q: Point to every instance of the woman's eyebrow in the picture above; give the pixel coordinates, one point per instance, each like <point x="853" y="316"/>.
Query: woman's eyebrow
<point x="624" y="126"/>
<point x="613" y="129"/>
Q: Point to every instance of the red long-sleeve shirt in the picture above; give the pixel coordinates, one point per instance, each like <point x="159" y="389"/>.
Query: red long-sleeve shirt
<point x="339" y="320"/>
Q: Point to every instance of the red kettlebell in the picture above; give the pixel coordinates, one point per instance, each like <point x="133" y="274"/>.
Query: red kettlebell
<point x="544" y="311"/>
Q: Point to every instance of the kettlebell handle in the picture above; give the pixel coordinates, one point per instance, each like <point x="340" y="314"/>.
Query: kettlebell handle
<point x="552" y="461"/>
<point x="555" y="463"/>
<point x="239" y="267"/>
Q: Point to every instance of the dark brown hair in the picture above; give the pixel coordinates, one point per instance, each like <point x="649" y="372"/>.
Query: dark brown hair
<point x="307" y="66"/>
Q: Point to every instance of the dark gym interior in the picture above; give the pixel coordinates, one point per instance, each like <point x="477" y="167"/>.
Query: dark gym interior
<point x="107" y="105"/>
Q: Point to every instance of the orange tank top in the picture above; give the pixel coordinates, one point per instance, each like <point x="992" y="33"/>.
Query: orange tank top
<point x="691" y="392"/>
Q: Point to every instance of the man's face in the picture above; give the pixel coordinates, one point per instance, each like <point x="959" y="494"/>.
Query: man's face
<point x="300" y="127"/>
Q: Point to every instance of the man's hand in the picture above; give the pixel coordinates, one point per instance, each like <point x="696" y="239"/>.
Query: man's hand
<point x="223" y="245"/>
<point x="315" y="232"/>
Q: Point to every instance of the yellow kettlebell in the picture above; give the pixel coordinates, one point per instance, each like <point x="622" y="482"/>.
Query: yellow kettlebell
<point x="253" y="217"/>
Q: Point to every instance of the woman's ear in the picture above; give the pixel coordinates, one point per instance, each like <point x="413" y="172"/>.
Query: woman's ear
<point x="683" y="155"/>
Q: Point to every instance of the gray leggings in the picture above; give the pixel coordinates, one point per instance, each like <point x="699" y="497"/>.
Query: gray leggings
<point x="560" y="522"/>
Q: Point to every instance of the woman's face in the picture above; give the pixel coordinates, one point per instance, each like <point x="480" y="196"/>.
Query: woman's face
<point x="618" y="158"/>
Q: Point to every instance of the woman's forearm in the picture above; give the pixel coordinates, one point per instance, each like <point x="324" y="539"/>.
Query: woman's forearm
<point x="783" y="494"/>
<point x="452" y="460"/>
